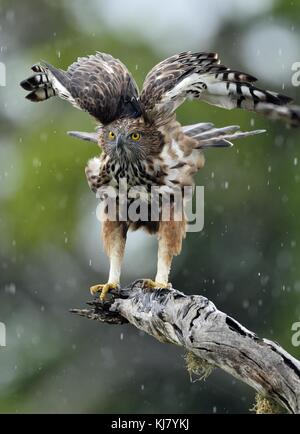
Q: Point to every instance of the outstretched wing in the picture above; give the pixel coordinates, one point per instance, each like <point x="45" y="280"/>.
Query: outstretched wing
<point x="98" y="84"/>
<point x="201" y="76"/>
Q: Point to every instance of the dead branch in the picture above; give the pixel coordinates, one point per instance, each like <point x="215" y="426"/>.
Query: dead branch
<point x="216" y="339"/>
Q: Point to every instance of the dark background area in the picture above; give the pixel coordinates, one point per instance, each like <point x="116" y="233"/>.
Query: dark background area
<point x="246" y="260"/>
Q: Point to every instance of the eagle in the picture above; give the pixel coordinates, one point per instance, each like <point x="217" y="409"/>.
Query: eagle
<point x="142" y="142"/>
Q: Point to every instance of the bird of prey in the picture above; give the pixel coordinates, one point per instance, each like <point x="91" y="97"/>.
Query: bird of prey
<point x="140" y="138"/>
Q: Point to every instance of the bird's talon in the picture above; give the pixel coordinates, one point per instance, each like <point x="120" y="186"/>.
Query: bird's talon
<point x="103" y="289"/>
<point x="148" y="283"/>
<point x="96" y="289"/>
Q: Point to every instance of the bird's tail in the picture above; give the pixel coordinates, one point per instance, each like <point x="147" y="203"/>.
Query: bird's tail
<point x="207" y="136"/>
<point x="38" y="85"/>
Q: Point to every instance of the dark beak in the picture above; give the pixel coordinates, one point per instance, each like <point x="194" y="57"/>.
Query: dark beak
<point x="120" y="141"/>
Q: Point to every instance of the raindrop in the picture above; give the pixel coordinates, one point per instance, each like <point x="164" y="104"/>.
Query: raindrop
<point x="297" y="286"/>
<point x="10" y="289"/>
<point x="246" y="304"/>
<point x="36" y="163"/>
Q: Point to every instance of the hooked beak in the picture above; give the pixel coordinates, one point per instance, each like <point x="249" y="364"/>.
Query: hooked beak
<point x="120" y="141"/>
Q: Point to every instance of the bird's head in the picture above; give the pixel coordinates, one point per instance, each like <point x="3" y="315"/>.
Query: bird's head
<point x="130" y="139"/>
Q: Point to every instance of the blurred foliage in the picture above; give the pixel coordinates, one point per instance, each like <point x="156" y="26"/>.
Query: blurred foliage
<point x="246" y="259"/>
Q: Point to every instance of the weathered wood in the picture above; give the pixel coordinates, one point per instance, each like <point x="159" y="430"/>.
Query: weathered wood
<point x="195" y="323"/>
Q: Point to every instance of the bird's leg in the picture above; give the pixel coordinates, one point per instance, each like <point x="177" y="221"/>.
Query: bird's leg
<point x="170" y="238"/>
<point x="114" y="239"/>
<point x="164" y="263"/>
<point x="113" y="280"/>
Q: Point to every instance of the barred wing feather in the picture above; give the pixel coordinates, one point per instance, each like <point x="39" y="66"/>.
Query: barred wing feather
<point x="201" y="76"/>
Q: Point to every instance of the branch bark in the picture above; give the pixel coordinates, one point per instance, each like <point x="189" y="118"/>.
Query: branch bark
<point x="194" y="322"/>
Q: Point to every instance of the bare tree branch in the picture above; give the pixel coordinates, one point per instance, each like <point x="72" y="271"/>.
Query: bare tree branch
<point x="193" y="322"/>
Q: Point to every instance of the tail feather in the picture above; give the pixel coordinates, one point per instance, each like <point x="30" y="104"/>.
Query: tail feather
<point x="192" y="130"/>
<point x="89" y="137"/>
<point x="216" y="132"/>
<point x="207" y="136"/>
<point x="224" y="141"/>
<point x="217" y="143"/>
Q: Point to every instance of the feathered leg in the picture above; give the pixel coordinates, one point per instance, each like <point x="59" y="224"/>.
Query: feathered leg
<point x="170" y="237"/>
<point x="114" y="239"/>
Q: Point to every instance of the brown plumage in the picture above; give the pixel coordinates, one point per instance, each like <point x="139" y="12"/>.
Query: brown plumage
<point x="142" y="143"/>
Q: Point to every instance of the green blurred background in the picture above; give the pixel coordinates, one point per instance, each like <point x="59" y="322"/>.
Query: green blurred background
<point x="246" y="260"/>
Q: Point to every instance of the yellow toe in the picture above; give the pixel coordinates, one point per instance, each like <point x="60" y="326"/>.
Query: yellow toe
<point x="103" y="289"/>
<point x="148" y="283"/>
<point x="106" y="288"/>
<point x="96" y="289"/>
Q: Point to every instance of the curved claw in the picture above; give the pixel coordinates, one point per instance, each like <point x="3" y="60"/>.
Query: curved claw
<point x="103" y="289"/>
<point x="148" y="283"/>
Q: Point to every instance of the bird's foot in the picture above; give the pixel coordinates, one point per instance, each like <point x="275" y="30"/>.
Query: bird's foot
<point x="151" y="284"/>
<point x="103" y="289"/>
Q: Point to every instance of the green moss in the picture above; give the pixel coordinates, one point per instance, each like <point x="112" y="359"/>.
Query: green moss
<point x="198" y="367"/>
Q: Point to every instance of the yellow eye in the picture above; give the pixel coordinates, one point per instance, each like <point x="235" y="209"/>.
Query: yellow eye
<point x="135" y="136"/>
<point x="111" y="135"/>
